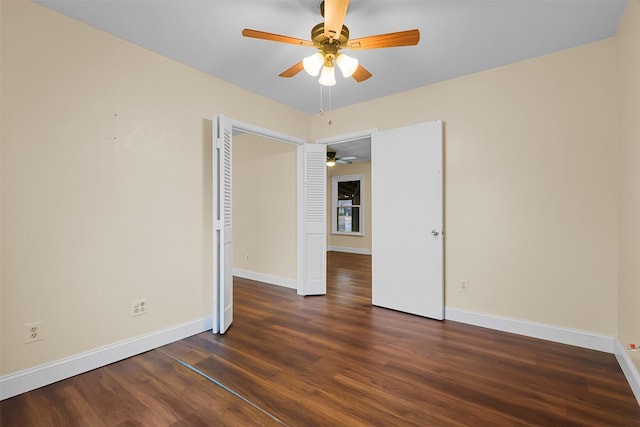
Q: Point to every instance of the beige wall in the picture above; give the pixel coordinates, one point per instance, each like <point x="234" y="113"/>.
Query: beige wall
<point x="354" y="242"/>
<point x="530" y="183"/>
<point x="264" y="206"/>
<point x="628" y="39"/>
<point x="105" y="184"/>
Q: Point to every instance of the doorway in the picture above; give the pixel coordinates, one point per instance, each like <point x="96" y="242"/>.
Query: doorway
<point x="407" y="244"/>
<point x="349" y="232"/>
<point x="349" y="197"/>
<point x="264" y="210"/>
<point x="222" y="187"/>
<point x="309" y="223"/>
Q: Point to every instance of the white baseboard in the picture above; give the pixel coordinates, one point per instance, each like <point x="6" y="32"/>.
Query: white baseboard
<point x="543" y="331"/>
<point x="349" y="250"/>
<point x="266" y="278"/>
<point x="628" y="368"/>
<point x="39" y="376"/>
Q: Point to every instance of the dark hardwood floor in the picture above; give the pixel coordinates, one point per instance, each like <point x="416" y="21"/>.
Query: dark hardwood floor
<point x="338" y="361"/>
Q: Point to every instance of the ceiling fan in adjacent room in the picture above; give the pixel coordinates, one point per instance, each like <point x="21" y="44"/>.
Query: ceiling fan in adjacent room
<point x="329" y="38"/>
<point x="332" y="159"/>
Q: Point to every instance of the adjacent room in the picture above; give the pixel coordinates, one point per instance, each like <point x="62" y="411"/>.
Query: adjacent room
<point x="107" y="230"/>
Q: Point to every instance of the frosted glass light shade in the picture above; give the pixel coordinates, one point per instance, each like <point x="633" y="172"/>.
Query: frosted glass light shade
<point x="313" y="63"/>
<point x="328" y="76"/>
<point x="347" y="64"/>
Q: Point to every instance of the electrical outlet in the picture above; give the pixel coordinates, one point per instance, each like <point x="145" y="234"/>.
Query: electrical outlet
<point x="138" y="307"/>
<point x="463" y="286"/>
<point x="247" y="258"/>
<point x="33" y="332"/>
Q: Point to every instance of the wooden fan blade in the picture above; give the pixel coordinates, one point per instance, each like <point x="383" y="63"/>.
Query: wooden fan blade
<point x="401" y="38"/>
<point x="292" y="71"/>
<point x="334" y="14"/>
<point x="274" y="37"/>
<point x="361" y="74"/>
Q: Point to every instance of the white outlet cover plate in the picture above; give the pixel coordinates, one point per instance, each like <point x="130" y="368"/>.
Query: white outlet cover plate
<point x="31" y="335"/>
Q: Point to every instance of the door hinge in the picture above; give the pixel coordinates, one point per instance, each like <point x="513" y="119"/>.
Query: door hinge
<point x="218" y="224"/>
<point x="219" y="144"/>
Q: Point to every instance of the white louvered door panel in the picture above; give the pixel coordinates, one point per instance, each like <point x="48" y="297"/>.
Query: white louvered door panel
<point x="223" y="235"/>
<point x="226" y="289"/>
<point x="314" y="217"/>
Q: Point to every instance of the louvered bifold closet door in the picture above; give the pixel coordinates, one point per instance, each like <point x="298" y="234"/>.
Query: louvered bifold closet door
<point x="314" y="220"/>
<point x="223" y="237"/>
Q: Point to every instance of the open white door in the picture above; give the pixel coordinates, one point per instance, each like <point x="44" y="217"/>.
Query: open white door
<point x="222" y="239"/>
<point x="407" y="219"/>
<point x="312" y="225"/>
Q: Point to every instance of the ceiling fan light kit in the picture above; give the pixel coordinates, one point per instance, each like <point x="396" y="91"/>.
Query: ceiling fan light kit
<point x="328" y="75"/>
<point x="316" y="62"/>
<point x="347" y="65"/>
<point x="331" y="158"/>
<point x="329" y="37"/>
<point x="312" y="64"/>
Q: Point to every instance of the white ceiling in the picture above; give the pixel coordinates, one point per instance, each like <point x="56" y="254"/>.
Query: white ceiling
<point x="458" y="37"/>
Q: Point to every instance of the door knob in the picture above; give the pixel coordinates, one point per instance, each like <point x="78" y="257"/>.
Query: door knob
<point x="435" y="232"/>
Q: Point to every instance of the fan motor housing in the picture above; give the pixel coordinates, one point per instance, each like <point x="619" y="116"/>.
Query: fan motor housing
<point x="319" y="39"/>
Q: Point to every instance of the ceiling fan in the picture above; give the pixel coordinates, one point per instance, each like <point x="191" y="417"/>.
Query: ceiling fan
<point x="329" y="38"/>
<point x="332" y="159"/>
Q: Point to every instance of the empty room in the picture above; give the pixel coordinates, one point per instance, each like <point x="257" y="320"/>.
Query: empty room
<point x="173" y="250"/>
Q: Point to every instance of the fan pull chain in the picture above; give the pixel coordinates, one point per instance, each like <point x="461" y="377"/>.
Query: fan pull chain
<point x="329" y="122"/>
<point x="330" y="104"/>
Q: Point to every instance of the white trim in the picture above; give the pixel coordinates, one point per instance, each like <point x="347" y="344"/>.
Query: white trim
<point x="39" y="376"/>
<point x="543" y="331"/>
<point x="347" y="137"/>
<point x="628" y="368"/>
<point x="266" y="278"/>
<point x="267" y="133"/>
<point x="547" y="332"/>
<point x="349" y="250"/>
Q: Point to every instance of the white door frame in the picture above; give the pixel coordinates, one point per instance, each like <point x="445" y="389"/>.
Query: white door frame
<point x="238" y="126"/>
<point x="267" y="133"/>
<point x="347" y="137"/>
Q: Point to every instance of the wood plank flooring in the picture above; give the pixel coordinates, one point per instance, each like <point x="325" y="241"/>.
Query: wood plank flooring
<point x="338" y="361"/>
